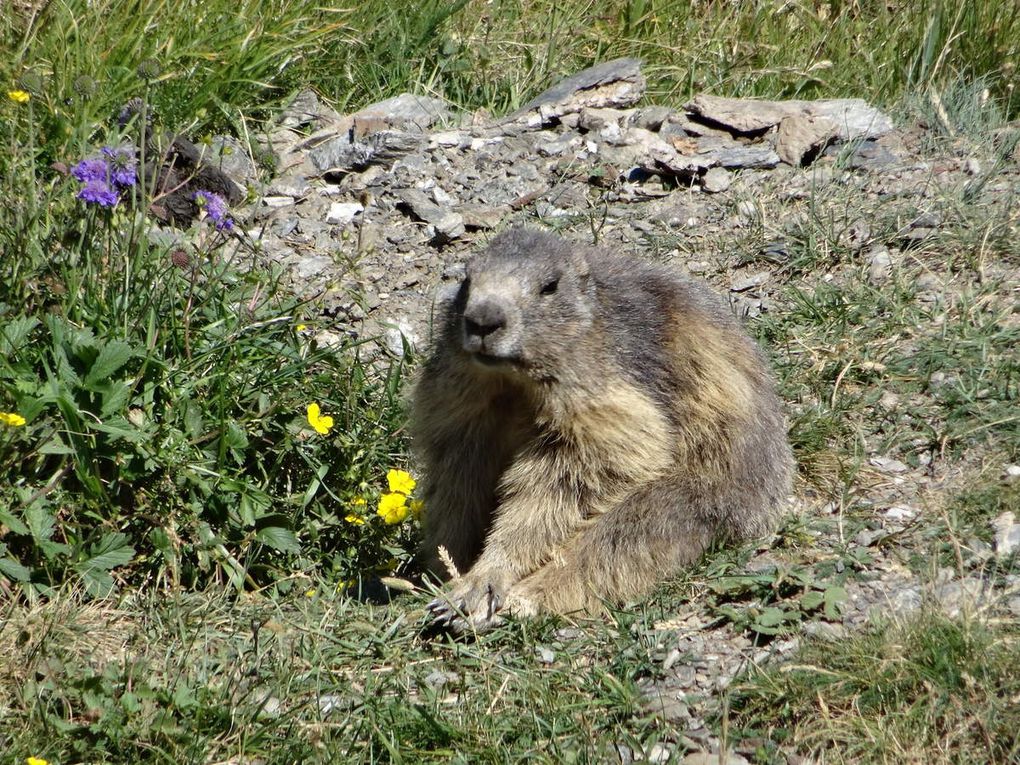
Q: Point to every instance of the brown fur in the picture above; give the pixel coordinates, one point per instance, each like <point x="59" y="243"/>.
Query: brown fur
<point x="588" y="424"/>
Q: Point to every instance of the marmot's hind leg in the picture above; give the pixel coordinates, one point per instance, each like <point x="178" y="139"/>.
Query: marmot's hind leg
<point x="622" y="554"/>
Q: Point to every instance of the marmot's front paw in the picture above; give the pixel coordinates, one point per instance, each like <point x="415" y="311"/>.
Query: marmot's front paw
<point x="472" y="604"/>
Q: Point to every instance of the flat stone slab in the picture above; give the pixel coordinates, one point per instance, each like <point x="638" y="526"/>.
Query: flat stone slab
<point x="850" y="117"/>
<point x="613" y="84"/>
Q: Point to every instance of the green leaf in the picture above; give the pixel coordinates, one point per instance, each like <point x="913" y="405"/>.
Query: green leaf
<point x="279" y="538"/>
<point x="98" y="583"/>
<point x="809" y="601"/>
<point x="770" y="617"/>
<point x="112" y="356"/>
<point x="14" y="570"/>
<point x="39" y="521"/>
<point x="13" y="523"/>
<point x="834" y="598"/>
<point x="118" y="427"/>
<point x="114" y="398"/>
<point x="113" y="550"/>
<point x="14" y="333"/>
<point x="313" y="486"/>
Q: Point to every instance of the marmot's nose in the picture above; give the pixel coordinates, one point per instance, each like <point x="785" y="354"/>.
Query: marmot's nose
<point x="483" y="318"/>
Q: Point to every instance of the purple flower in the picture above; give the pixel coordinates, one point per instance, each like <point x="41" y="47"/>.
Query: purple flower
<point x="97" y="191"/>
<point x="104" y="176"/>
<point x="92" y="169"/>
<point x="215" y="208"/>
<point x="122" y="166"/>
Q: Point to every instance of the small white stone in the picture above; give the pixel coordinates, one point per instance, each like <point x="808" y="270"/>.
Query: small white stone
<point x="342" y="213"/>
<point x="277" y="201"/>
<point x="899" y="513"/>
<point x="889" y="465"/>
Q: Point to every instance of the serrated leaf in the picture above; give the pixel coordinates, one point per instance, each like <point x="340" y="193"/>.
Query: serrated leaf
<point x="114" y="398"/>
<point x="279" y="538"/>
<point x="834" y="599"/>
<point x="118" y="427"/>
<point x="809" y="601"/>
<point x="835" y="594"/>
<point x="98" y="583"/>
<point x="112" y="550"/>
<point x="14" y="570"/>
<point x="14" y="333"/>
<point x="40" y="522"/>
<point x="13" y="523"/>
<point x="770" y="617"/>
<point x="112" y="356"/>
<point x="235" y="436"/>
<point x="55" y="446"/>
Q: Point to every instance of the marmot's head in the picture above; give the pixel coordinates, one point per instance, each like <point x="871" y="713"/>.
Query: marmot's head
<point x="525" y="304"/>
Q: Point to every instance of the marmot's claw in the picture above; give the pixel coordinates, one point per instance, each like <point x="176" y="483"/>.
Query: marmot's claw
<point x="453" y="612"/>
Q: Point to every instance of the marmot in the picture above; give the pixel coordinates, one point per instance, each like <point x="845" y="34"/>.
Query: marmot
<point x="587" y="424"/>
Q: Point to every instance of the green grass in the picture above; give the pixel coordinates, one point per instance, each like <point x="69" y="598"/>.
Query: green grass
<point x="201" y="678"/>
<point x="931" y="689"/>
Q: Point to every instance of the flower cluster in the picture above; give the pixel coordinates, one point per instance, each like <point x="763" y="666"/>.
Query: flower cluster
<point x="105" y="176"/>
<point x="396" y="504"/>
<point x="18" y="96"/>
<point x="215" y="208"/>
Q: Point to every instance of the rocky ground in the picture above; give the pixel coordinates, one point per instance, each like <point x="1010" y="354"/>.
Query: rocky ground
<point x="371" y="216"/>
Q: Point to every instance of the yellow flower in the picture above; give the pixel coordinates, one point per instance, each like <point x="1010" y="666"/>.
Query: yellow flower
<point x="401" y="481"/>
<point x="359" y="501"/>
<point x="357" y="520"/>
<point x="393" y="508"/>
<point x="36" y="760"/>
<point x="416" y="506"/>
<point x="14" y="420"/>
<point x="321" y="423"/>
<point x="310" y="593"/>
<point x="21" y="97"/>
<point x="301" y="327"/>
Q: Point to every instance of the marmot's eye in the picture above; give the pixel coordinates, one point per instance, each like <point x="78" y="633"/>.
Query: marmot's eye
<point x="550" y="286"/>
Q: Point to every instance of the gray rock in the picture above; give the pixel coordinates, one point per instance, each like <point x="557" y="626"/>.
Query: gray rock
<point x="658" y="753"/>
<point x="1007" y="534"/>
<point x="342" y="213"/>
<point x="437" y="678"/>
<point x="305" y="109"/>
<point x="614" y="83"/>
<point x="716" y="180"/>
<point x="889" y="465"/>
<point x="545" y="655"/>
<point x="864" y="155"/>
<point x="406" y="112"/>
<point x="713" y="758"/>
<point x="597" y="119"/>
<point x="448" y="225"/>
<point x="742" y="284"/>
<point x="230" y="156"/>
<point x="850" y="117"/>
<point x="956" y="598"/>
<point x="651" y="117"/>
<point x="329" y="703"/>
<point x="342" y="154"/>
<point x="879" y="267"/>
<point x="400" y="336"/>
<point x="312" y="265"/>
<point x="800" y="134"/>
